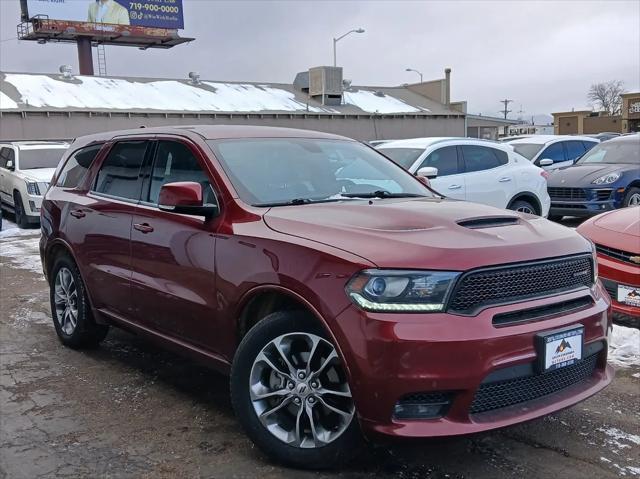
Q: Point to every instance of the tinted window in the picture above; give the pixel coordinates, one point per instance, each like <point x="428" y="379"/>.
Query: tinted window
<point x="444" y="159"/>
<point x="478" y="158"/>
<point x="589" y="144"/>
<point x="626" y="152"/>
<point x="34" y="158"/>
<point x="7" y="154"/>
<point x="575" y="149"/>
<point x="528" y="150"/>
<point x="175" y="162"/>
<point x="553" y="152"/>
<point x="404" y="157"/>
<point x="120" y="172"/>
<point x="76" y="166"/>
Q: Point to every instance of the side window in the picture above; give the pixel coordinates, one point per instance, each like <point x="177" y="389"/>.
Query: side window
<point x="588" y="145"/>
<point x="479" y="158"/>
<point x="76" y="167"/>
<point x="575" y="149"/>
<point x="6" y="155"/>
<point x="119" y="175"/>
<point x="175" y="162"/>
<point x="553" y="152"/>
<point x="445" y="159"/>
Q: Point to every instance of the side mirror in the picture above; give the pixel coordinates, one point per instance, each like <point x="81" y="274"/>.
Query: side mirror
<point x="546" y="162"/>
<point x="185" y="197"/>
<point x="427" y="172"/>
<point x="10" y="165"/>
<point x="424" y="181"/>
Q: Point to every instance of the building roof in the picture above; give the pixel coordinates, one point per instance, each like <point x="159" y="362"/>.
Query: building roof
<point x="52" y="92"/>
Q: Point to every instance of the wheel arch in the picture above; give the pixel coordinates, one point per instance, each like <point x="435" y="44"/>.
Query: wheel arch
<point x="527" y="196"/>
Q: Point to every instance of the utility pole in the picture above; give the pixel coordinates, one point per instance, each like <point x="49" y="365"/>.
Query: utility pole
<point x="520" y="112"/>
<point x="506" y="111"/>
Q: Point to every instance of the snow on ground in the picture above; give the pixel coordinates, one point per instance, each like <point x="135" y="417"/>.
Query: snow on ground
<point x="624" y="349"/>
<point x="20" y="246"/>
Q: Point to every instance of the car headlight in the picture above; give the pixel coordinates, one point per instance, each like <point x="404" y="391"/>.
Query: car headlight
<point x="32" y="188"/>
<point x="606" y="179"/>
<point x="400" y="290"/>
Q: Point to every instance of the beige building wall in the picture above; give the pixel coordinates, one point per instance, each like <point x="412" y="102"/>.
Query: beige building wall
<point x="630" y="112"/>
<point x="435" y="89"/>
<point x="600" y="124"/>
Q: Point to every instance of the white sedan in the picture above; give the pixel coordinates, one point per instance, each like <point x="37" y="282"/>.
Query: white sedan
<point x="474" y="170"/>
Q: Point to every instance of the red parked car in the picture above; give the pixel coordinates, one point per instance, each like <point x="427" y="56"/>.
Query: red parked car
<point x="341" y="301"/>
<point x="616" y="235"/>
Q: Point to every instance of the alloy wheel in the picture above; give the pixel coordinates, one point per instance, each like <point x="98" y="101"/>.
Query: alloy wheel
<point x="634" y="200"/>
<point x="299" y="390"/>
<point x="526" y="209"/>
<point x="66" y="301"/>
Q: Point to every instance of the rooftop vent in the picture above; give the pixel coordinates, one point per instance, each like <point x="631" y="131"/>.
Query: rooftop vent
<point x="346" y="84"/>
<point x="325" y="85"/>
<point x="301" y="82"/>
<point x="67" y="71"/>
<point x="378" y="93"/>
<point x="491" y="222"/>
<point x="195" y="78"/>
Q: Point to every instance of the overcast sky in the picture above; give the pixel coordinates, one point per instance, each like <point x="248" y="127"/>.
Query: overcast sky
<point x="544" y="55"/>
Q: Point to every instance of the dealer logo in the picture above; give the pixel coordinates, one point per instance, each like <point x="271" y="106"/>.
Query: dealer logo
<point x="635" y="259"/>
<point x="564" y="345"/>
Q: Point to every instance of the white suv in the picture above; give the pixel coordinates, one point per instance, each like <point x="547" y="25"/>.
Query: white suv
<point x="553" y="151"/>
<point x="26" y="168"/>
<point x="474" y="170"/>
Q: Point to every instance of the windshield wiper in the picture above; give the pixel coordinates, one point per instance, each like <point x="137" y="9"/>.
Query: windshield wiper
<point x="297" y="201"/>
<point x="382" y="194"/>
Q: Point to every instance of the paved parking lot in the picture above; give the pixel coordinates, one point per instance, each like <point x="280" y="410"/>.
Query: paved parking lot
<point x="129" y="409"/>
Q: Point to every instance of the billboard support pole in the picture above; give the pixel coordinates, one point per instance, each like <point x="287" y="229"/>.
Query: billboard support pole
<point x="85" y="56"/>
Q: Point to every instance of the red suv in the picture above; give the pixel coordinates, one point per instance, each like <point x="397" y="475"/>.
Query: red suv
<point x="343" y="296"/>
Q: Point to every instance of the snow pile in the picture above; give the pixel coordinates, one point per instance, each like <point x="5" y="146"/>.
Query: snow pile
<point x="96" y="93"/>
<point x="20" y="246"/>
<point x="624" y="349"/>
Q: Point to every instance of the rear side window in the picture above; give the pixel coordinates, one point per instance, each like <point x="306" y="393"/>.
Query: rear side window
<point x="120" y="173"/>
<point x="77" y="166"/>
<point x="175" y="162"/>
<point x="444" y="159"/>
<point x="479" y="158"/>
<point x="553" y="152"/>
<point x="575" y="149"/>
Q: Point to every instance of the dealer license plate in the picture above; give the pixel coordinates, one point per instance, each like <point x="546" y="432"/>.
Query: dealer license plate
<point x="628" y="295"/>
<point x="561" y="348"/>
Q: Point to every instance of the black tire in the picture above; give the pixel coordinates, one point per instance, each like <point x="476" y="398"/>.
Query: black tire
<point x="87" y="333"/>
<point x="343" y="449"/>
<point x="21" y="218"/>
<point x="524" y="206"/>
<point x="632" y="192"/>
<point x="555" y="218"/>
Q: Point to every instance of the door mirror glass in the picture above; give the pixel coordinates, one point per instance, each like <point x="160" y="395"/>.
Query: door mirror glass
<point x="10" y="165"/>
<point x="427" y="172"/>
<point x="546" y="162"/>
<point x="185" y="197"/>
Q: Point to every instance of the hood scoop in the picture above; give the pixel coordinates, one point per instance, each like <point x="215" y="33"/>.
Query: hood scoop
<point x="489" y="222"/>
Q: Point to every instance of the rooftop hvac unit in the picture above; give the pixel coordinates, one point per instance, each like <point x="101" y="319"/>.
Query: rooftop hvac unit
<point x="325" y="84"/>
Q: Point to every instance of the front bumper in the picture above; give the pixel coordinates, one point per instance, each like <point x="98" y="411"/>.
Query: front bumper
<point x="614" y="273"/>
<point x="390" y="356"/>
<point x="592" y="204"/>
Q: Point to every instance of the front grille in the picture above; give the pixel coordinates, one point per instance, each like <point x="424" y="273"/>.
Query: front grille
<point x="611" y="287"/>
<point x="602" y="195"/>
<point x="618" y="254"/>
<point x="542" y="312"/>
<point x="518" y="282"/>
<point x="506" y="393"/>
<point x="566" y="193"/>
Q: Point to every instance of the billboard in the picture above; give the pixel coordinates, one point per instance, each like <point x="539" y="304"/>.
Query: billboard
<point x="142" y="13"/>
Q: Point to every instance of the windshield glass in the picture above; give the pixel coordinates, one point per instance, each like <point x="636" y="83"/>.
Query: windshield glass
<point x="613" y="152"/>
<point x="40" y="158"/>
<point x="404" y="157"/>
<point x="528" y="150"/>
<point x="287" y="170"/>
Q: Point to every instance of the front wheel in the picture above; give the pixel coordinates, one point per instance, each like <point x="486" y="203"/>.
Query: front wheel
<point x="21" y="217"/>
<point x="291" y="395"/>
<point x="632" y="198"/>
<point x="523" y="207"/>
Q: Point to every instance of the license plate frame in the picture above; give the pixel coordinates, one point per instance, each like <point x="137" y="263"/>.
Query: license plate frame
<point x="559" y="348"/>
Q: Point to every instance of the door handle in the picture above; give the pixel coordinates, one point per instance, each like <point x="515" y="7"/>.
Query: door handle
<point x="77" y="213"/>
<point x="455" y="187"/>
<point x="143" y="227"/>
<point x="504" y="179"/>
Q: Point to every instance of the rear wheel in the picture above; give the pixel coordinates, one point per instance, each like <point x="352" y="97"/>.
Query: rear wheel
<point x="21" y="218"/>
<point x="290" y="393"/>
<point x="72" y="315"/>
<point x="632" y="197"/>
<point x="523" y="206"/>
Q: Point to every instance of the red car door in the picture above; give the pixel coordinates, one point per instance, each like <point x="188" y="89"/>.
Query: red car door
<point x="101" y="233"/>
<point x="173" y="282"/>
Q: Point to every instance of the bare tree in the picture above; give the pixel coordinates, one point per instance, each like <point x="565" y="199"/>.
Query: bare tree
<point x="606" y="96"/>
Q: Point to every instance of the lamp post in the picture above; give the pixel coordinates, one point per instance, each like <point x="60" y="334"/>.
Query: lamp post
<point x="336" y="40"/>
<point x="415" y="71"/>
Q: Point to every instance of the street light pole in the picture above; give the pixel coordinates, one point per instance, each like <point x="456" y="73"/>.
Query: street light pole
<point x="336" y="40"/>
<point x="415" y="71"/>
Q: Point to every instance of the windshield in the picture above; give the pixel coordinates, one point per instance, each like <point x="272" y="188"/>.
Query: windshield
<point x="274" y="171"/>
<point x="404" y="157"/>
<point x="40" y="158"/>
<point x="528" y="150"/>
<point x="613" y="152"/>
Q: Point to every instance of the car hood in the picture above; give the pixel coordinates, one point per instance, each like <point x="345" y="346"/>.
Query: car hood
<point x="39" y="174"/>
<point x="424" y="233"/>
<point x="618" y="229"/>
<point x="583" y="175"/>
